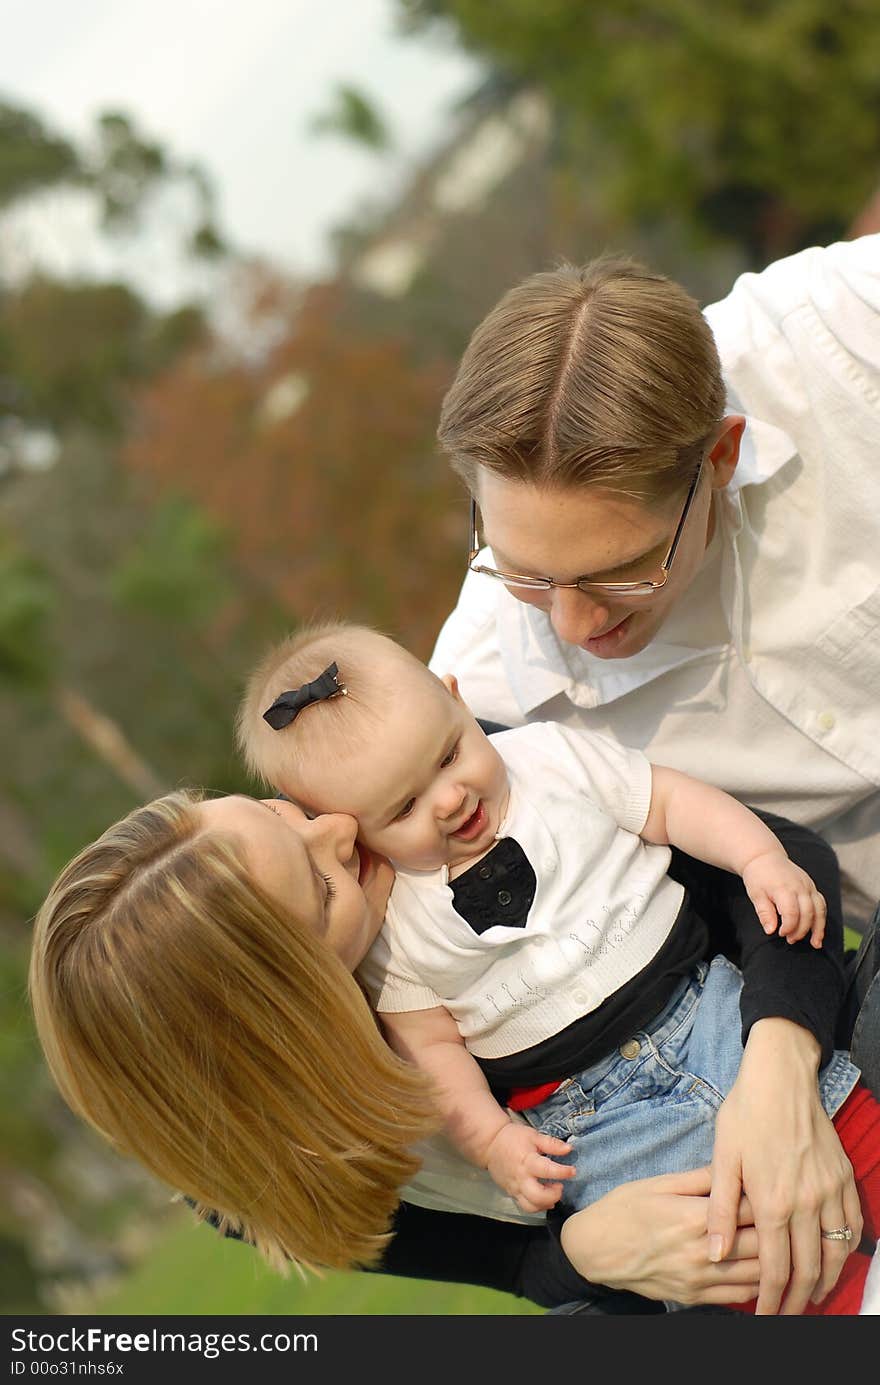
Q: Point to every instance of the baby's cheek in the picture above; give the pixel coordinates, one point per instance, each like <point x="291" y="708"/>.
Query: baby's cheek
<point x="381" y="842"/>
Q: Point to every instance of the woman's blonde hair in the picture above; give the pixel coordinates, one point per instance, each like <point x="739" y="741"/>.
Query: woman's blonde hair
<point x="203" y="1029"/>
<point x="605" y="375"/>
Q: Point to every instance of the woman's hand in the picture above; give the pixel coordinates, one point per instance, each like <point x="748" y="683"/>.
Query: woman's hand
<point x="774" y="1142"/>
<point x="650" y="1237"/>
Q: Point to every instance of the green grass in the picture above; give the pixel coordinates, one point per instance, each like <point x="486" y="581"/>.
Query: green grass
<point x="192" y="1270"/>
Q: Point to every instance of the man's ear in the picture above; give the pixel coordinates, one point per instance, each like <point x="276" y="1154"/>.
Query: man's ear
<point x="450" y="683"/>
<point x="723" y="454"/>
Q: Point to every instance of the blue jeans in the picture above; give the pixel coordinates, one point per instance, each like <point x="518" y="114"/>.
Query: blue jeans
<point x="650" y="1106"/>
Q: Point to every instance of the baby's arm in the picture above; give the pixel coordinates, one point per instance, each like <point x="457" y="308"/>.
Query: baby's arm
<point x="709" y="824"/>
<point x="514" y="1153"/>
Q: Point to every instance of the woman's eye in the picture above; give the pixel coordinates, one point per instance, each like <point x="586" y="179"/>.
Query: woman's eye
<point x="406" y="809"/>
<point x="450" y="758"/>
<point x="331" y="888"/>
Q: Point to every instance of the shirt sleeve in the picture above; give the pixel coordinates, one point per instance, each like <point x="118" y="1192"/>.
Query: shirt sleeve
<point x="391" y="982"/>
<point x="458" y="1248"/>
<point x="780" y="980"/>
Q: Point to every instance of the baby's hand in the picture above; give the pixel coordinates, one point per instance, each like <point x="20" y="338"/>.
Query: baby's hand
<point x="776" y="886"/>
<point x="517" y="1162"/>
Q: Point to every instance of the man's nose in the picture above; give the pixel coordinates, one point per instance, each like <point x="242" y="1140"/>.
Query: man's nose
<point x="576" y="616"/>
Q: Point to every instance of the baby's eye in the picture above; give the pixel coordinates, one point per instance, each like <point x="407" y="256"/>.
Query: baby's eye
<point x="406" y="809"/>
<point x="451" y="757"/>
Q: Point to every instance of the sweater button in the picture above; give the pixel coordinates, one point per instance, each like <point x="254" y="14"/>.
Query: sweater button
<point x="504" y="896"/>
<point x="484" y="872"/>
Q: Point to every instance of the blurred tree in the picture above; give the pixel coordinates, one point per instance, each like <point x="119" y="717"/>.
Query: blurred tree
<point x="68" y="350"/>
<point x="174" y="571"/>
<point x="31" y="157"/>
<point x="319" y="463"/>
<point x="28" y="662"/>
<point x="25" y="606"/>
<point x="353" y="116"/>
<point x="123" y="167"/>
<point x="759" y="120"/>
<point x="126" y="168"/>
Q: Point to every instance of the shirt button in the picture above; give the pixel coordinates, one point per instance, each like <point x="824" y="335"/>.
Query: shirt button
<point x="827" y="721"/>
<point x="549" y="865"/>
<point x="484" y="872"/>
<point x="504" y="896"/>
<point x="631" y="1049"/>
<point x="579" y="997"/>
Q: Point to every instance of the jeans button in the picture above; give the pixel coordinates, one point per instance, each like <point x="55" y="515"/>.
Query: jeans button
<point x="631" y="1049"/>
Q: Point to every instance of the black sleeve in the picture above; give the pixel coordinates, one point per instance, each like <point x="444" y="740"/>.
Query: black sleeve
<point x="790" y="981"/>
<point x="458" y="1248"/>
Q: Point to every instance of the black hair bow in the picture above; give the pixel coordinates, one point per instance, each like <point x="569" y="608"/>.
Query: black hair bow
<point x="288" y="706"/>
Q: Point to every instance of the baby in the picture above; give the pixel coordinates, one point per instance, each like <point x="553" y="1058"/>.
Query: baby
<point x="534" y="944"/>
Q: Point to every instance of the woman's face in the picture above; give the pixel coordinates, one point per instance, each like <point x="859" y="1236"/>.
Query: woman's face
<point x="573" y="533"/>
<point x="312" y="866"/>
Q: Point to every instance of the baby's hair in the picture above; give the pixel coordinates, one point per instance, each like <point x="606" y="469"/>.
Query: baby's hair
<point x="205" y="1030"/>
<point x="370" y="666"/>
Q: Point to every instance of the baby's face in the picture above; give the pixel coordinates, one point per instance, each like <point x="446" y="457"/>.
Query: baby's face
<point x="428" y="790"/>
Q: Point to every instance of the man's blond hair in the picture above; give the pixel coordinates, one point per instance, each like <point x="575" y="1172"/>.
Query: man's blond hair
<point x="605" y="375"/>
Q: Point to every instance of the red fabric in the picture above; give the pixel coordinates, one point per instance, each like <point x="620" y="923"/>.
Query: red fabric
<point x="521" y="1098"/>
<point x="858" y="1127"/>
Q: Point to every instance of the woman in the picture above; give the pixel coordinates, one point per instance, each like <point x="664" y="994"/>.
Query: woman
<point x="680" y="517"/>
<point x="191" y="985"/>
<point x="212" y="1030"/>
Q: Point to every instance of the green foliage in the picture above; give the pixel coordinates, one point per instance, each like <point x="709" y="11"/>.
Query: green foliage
<point x="174" y="571"/>
<point x="207" y="241"/>
<point x="26" y="602"/>
<point x="761" y="119"/>
<point x="69" y="350"/>
<point x="31" y="157"/>
<point x="353" y="116"/>
<point x="128" y="168"/>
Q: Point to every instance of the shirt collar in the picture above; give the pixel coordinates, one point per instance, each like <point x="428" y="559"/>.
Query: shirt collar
<point x="539" y="667"/>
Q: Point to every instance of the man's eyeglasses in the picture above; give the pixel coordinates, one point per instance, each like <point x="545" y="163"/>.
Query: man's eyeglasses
<point x="625" y="589"/>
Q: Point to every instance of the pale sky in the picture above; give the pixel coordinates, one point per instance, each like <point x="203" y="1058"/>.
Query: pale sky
<point x="233" y="85"/>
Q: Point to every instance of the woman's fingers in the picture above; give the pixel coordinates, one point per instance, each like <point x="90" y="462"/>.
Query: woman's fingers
<point x="834" y="1253"/>
<point x="745" y="1246"/>
<point x="724" y="1200"/>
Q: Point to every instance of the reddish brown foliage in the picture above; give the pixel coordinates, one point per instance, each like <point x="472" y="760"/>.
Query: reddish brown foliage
<point x="340" y="505"/>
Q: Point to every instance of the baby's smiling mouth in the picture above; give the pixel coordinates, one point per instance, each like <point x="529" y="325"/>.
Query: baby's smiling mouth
<point x="472" y="826"/>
